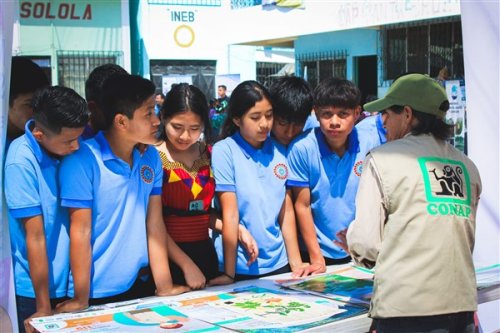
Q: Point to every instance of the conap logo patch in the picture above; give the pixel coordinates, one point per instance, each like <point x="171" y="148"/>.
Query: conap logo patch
<point x="447" y="186"/>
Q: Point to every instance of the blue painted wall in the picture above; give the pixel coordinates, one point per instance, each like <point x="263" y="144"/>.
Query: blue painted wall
<point x="357" y="42"/>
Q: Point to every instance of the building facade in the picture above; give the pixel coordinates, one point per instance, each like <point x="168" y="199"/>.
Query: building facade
<point x="69" y="38"/>
<point x="205" y="41"/>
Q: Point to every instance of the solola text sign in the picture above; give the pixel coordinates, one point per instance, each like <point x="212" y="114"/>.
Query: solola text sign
<point x="57" y="10"/>
<point x="447" y="186"/>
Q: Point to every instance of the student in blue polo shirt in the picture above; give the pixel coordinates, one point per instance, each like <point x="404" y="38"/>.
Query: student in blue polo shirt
<point x="25" y="79"/>
<point x="115" y="202"/>
<point x="250" y="174"/>
<point x="93" y="95"/>
<point x="38" y="225"/>
<point x="373" y="125"/>
<point x="292" y="101"/>
<point x="325" y="166"/>
<point x="311" y="122"/>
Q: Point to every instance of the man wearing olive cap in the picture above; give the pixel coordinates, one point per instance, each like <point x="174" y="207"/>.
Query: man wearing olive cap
<point x="416" y="214"/>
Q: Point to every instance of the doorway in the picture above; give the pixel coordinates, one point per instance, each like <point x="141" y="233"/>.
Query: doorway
<point x="366" y="76"/>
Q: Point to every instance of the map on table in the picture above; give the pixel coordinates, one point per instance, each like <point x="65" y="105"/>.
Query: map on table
<point x="349" y="284"/>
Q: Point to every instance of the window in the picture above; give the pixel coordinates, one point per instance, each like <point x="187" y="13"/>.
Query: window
<point x="44" y="63"/>
<point x="425" y="48"/>
<point x="417" y="49"/>
<point x="75" y="67"/>
<point x="317" y="67"/>
<point x="235" y="4"/>
<point x="200" y="73"/>
<point x="266" y="71"/>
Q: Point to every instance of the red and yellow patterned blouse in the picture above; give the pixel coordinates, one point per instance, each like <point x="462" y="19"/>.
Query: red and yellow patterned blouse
<point x="187" y="195"/>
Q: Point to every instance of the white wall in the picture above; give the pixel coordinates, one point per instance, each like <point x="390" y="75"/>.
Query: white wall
<point x="262" y="23"/>
<point x="481" y="36"/>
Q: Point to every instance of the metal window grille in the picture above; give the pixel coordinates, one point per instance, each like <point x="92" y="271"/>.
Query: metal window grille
<point x="202" y="3"/>
<point x="319" y="66"/>
<point x="395" y="52"/>
<point x="265" y="70"/>
<point x="424" y="48"/>
<point x="235" y="4"/>
<point x="75" y="67"/>
<point x="202" y="73"/>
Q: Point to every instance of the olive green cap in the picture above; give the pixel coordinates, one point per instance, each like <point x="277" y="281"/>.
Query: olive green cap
<point x="418" y="91"/>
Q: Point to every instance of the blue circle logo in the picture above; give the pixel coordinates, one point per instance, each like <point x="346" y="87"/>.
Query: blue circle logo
<point x="147" y="174"/>
<point x="281" y="171"/>
<point x="358" y="168"/>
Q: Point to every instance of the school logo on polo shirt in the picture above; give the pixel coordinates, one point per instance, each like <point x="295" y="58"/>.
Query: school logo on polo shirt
<point x="147" y="174"/>
<point x="358" y="168"/>
<point x="281" y="171"/>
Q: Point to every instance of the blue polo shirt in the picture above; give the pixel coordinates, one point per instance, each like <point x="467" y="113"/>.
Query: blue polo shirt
<point x="311" y="122"/>
<point x="374" y="126"/>
<point x="118" y="195"/>
<point x="257" y="176"/>
<point x="31" y="189"/>
<point x="332" y="180"/>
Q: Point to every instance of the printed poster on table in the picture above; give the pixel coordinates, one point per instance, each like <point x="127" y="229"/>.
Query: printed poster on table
<point x="349" y="284"/>
<point x="249" y="309"/>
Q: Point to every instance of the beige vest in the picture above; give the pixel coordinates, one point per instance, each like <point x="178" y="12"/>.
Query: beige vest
<point x="425" y="264"/>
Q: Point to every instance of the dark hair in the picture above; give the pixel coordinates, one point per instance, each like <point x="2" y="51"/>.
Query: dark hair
<point x="428" y="123"/>
<point x="57" y="107"/>
<point x="160" y="94"/>
<point x="337" y="92"/>
<point x="26" y="77"/>
<point x="244" y="97"/>
<point x="95" y="81"/>
<point x="124" y="94"/>
<point x="222" y="86"/>
<point x="183" y="98"/>
<point x="292" y="99"/>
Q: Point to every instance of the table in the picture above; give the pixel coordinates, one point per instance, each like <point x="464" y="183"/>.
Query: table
<point x="205" y="307"/>
<point x="255" y="303"/>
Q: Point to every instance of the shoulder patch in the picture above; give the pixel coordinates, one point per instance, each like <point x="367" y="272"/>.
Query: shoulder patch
<point x="147" y="174"/>
<point x="281" y="171"/>
<point x="358" y="168"/>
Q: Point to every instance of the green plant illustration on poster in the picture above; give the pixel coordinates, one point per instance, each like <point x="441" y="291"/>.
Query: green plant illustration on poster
<point x="278" y="308"/>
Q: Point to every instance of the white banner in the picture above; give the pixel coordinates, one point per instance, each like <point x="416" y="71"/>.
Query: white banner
<point x="480" y="30"/>
<point x="8" y="316"/>
<point x="481" y="58"/>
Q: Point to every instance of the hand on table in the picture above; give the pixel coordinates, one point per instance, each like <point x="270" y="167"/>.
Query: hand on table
<point x="221" y="280"/>
<point x="27" y="325"/>
<point x="174" y="289"/>
<point x="314" y="268"/>
<point x="299" y="270"/>
<point x="71" y="305"/>
<point x="194" y="277"/>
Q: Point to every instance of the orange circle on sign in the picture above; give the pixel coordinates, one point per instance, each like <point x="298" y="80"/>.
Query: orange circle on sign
<point x="184" y="36"/>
